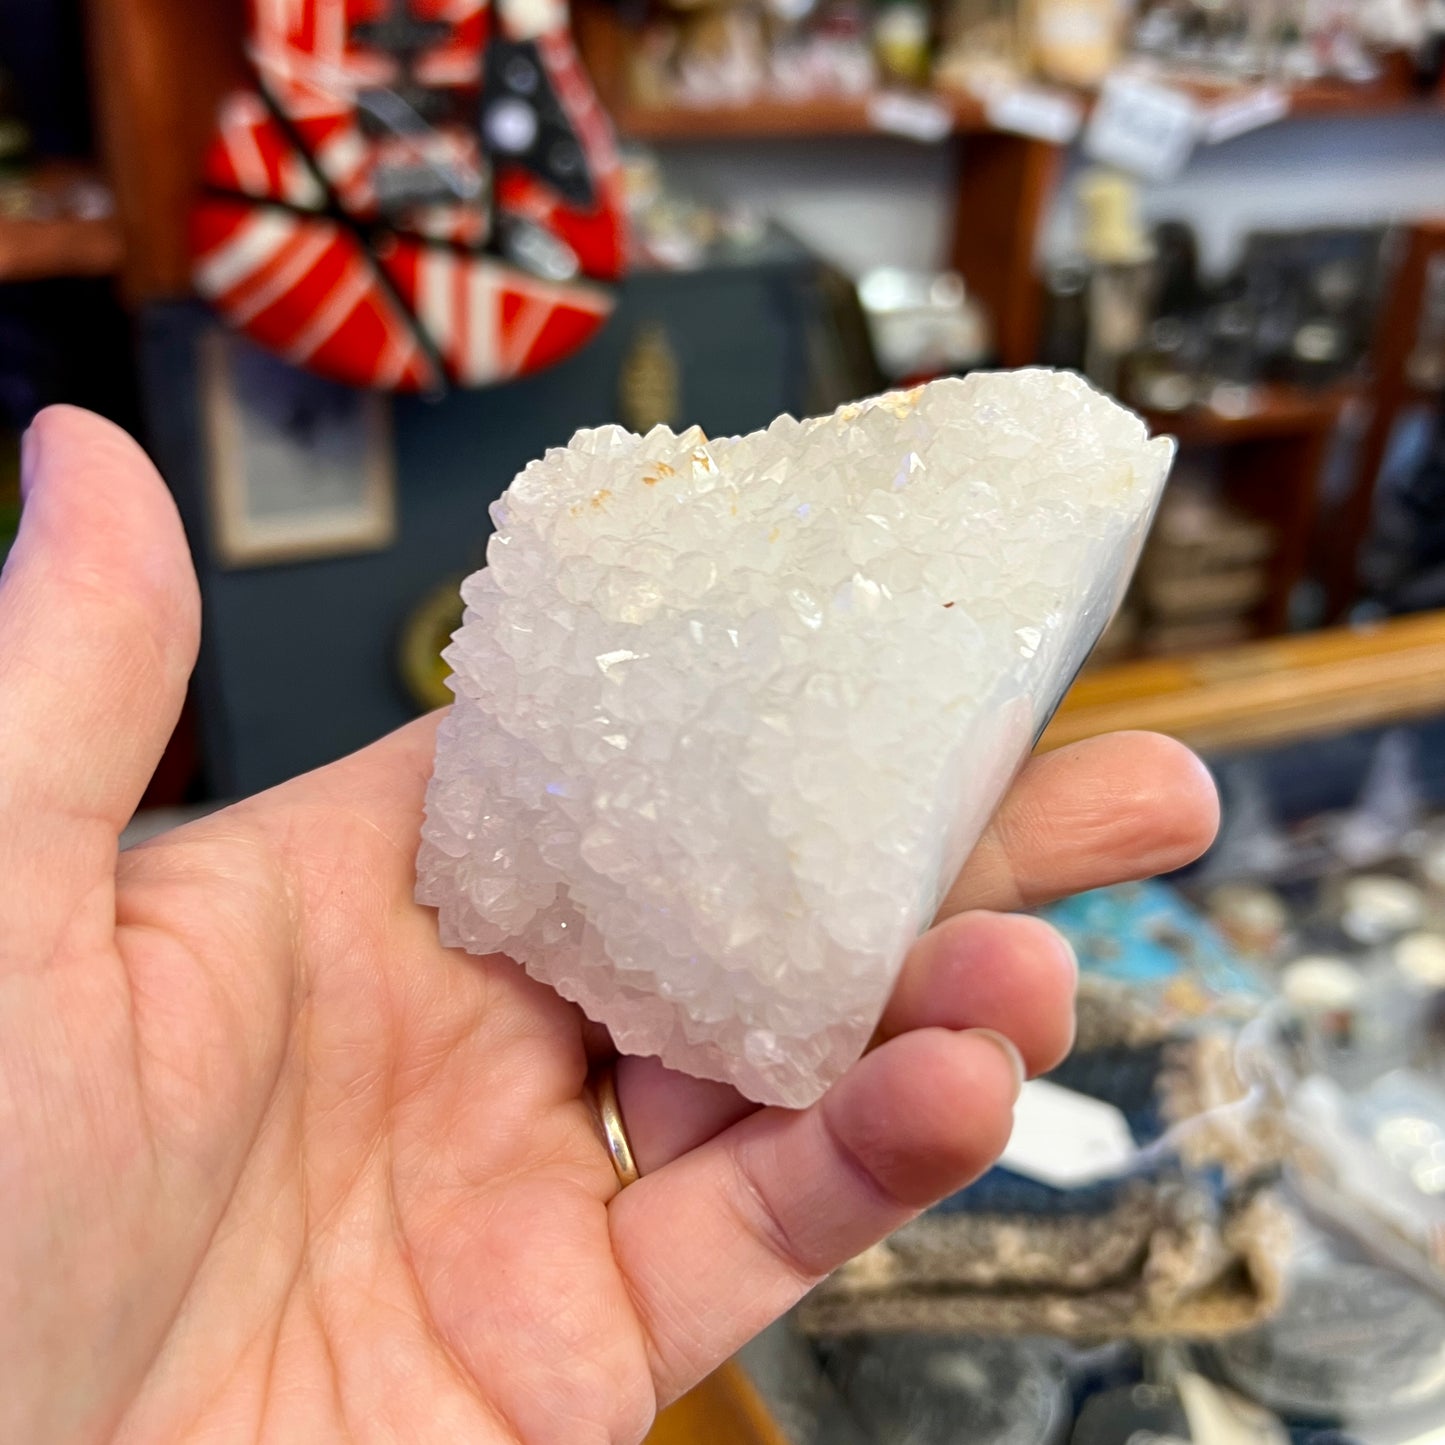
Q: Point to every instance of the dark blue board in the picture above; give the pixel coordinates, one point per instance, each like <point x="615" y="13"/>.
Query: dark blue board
<point x="298" y="662"/>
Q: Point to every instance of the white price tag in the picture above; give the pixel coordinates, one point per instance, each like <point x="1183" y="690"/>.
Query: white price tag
<point x="918" y="117"/>
<point x="1035" y="110"/>
<point x="1067" y="1139"/>
<point x="1225" y="119"/>
<point x="1143" y="127"/>
<point x="1220" y="1417"/>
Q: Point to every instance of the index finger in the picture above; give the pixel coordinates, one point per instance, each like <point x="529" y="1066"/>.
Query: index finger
<point x="1107" y="810"/>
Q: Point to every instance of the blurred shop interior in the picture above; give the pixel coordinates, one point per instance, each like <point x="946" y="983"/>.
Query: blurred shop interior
<point x="1227" y="1222"/>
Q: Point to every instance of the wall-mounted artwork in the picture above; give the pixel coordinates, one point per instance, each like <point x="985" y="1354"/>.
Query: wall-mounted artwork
<point x="299" y="466"/>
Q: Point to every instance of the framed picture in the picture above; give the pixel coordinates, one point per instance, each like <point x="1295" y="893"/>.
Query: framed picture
<point x="299" y="466"/>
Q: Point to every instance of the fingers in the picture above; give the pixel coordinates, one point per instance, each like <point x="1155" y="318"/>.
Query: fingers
<point x="669" y="1113"/>
<point x="723" y="1240"/>
<point x="1119" y="807"/>
<point x="1114" y="808"/>
<point x="99" y="624"/>
<point x="1011" y="974"/>
<point x="1105" y="810"/>
<point x="999" y="971"/>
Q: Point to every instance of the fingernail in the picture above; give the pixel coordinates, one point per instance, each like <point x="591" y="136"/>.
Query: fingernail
<point x="1070" y="951"/>
<point x="1009" y="1050"/>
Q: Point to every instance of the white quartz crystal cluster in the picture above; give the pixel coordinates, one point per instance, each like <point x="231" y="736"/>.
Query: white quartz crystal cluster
<point x="730" y="714"/>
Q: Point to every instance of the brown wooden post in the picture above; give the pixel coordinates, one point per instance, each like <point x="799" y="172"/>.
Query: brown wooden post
<point x="1391" y="392"/>
<point x="159" y="69"/>
<point x="1005" y="185"/>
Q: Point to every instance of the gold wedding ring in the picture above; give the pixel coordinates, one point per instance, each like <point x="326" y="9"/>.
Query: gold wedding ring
<point x="614" y="1131"/>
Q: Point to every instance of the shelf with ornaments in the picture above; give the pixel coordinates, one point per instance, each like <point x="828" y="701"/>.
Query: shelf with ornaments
<point x="1266" y="461"/>
<point x="1273" y="410"/>
<point x="650" y="104"/>
<point x="57" y="219"/>
<point x="642" y="108"/>
<point x="958" y="113"/>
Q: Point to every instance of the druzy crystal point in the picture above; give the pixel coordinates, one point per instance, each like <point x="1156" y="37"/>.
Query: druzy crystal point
<point x="731" y="714"/>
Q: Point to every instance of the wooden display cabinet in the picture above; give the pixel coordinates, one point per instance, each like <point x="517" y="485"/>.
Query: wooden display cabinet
<point x="1005" y="182"/>
<point x="1005" y="185"/>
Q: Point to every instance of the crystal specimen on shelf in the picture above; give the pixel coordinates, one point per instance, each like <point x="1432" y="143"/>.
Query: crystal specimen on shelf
<point x="731" y="714"/>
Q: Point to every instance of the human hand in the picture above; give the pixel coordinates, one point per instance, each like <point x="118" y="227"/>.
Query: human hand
<point x="277" y="1166"/>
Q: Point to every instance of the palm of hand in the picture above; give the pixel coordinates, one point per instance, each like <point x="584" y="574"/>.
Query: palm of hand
<point x="280" y="1167"/>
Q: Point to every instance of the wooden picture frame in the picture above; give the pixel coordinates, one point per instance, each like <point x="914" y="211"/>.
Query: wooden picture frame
<point x="298" y="467"/>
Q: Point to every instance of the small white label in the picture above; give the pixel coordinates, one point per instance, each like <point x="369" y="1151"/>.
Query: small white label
<point x="1219" y="1417"/>
<point x="1067" y="1139"/>
<point x="915" y="116"/>
<point x="1264" y="105"/>
<point x="1064" y="26"/>
<point x="1143" y="127"/>
<point x="1034" y="110"/>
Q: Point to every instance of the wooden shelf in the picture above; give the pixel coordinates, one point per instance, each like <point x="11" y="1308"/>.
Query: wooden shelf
<point x="604" y="42"/>
<point x="1268" y="692"/>
<point x="1282" y="411"/>
<point x="1390" y="94"/>
<point x="1334" y="97"/>
<point x="824" y="118"/>
<point x="841" y="118"/>
<point x="37" y="250"/>
<point x="756" y="121"/>
<point x="1272" y="473"/>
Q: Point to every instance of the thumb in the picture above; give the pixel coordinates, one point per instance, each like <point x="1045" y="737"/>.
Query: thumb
<point x="99" y="626"/>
